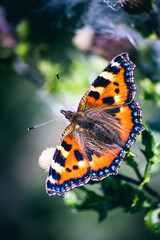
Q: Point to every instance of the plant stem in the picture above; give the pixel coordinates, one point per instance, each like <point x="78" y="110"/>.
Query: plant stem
<point x="137" y="172"/>
<point x="128" y="179"/>
<point x="138" y="183"/>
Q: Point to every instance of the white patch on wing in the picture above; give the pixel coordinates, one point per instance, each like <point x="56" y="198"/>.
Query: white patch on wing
<point x="81" y="164"/>
<point x="57" y="167"/>
<point x="117" y="98"/>
<point x="98" y="89"/>
<point x="50" y="178"/>
<point x="114" y="64"/>
<point x="64" y="152"/>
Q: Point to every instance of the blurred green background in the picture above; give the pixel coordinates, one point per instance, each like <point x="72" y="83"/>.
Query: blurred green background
<point x="37" y="40"/>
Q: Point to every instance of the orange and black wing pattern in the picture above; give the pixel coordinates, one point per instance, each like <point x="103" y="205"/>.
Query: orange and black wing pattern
<point x="69" y="167"/>
<point x="113" y="87"/>
<point x="104" y="157"/>
<point x="125" y="124"/>
<point x="110" y="102"/>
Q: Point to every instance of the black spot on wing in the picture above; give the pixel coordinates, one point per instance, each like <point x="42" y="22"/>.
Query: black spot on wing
<point x="95" y="95"/>
<point x="90" y="152"/>
<point x="66" y="146"/>
<point x="113" y="111"/>
<point x="116" y="90"/>
<point x="75" y="167"/>
<point x="58" y="158"/>
<point x="101" y="82"/>
<point x="78" y="155"/>
<point x="116" y="83"/>
<point x="108" y="100"/>
<point x="68" y="170"/>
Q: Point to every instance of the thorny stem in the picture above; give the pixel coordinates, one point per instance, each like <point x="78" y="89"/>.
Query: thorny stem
<point x="137" y="172"/>
<point x="145" y="187"/>
<point x="128" y="179"/>
<point x="138" y="183"/>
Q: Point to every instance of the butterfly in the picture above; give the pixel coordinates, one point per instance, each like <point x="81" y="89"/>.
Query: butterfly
<point x="107" y="121"/>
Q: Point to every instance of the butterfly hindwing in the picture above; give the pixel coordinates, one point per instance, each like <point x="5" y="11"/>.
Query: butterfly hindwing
<point x="123" y="123"/>
<point x="130" y="120"/>
<point x="107" y="164"/>
<point x="69" y="167"/>
<point x="113" y="87"/>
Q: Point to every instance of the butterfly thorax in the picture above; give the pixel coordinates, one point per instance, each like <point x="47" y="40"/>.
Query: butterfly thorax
<point x="78" y="119"/>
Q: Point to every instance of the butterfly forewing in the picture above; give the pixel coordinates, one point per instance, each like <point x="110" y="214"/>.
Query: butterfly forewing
<point x="113" y="87"/>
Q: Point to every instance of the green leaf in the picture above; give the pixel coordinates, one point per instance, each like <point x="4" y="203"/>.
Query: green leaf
<point x="95" y="202"/>
<point x="23" y="30"/>
<point x="152" y="149"/>
<point x="151" y="91"/>
<point x="149" y="143"/>
<point x="22" y="49"/>
<point x="146" y="176"/>
<point x="49" y="70"/>
<point x="130" y="161"/>
<point x="152" y="220"/>
<point x="71" y="199"/>
<point x="115" y="193"/>
<point x="151" y="152"/>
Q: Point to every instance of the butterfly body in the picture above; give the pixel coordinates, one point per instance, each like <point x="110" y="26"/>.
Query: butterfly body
<point x="94" y="128"/>
<point x="106" y="122"/>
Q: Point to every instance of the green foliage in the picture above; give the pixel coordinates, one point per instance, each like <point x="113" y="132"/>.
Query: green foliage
<point x="152" y="154"/>
<point x="152" y="220"/>
<point x="23" y="47"/>
<point x="114" y="195"/>
<point x="151" y="91"/>
<point x="49" y="71"/>
<point x="75" y="79"/>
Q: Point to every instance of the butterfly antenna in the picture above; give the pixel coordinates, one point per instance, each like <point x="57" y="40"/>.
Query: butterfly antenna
<point x="42" y="124"/>
<point x="61" y="91"/>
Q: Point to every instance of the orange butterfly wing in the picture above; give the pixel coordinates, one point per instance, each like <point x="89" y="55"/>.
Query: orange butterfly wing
<point x="113" y="87"/>
<point x="69" y="167"/>
<point x="110" y="99"/>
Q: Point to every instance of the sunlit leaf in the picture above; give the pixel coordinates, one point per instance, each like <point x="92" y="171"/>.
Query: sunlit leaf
<point x="129" y="160"/>
<point x="152" y="220"/>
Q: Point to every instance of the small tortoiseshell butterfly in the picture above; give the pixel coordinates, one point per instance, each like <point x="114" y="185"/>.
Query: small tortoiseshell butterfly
<point x="107" y="121"/>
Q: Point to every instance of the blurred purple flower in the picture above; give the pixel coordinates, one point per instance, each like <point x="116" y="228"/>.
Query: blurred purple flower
<point x="7" y="38"/>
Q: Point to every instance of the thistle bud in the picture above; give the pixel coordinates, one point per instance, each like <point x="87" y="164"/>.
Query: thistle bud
<point x="136" y="6"/>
